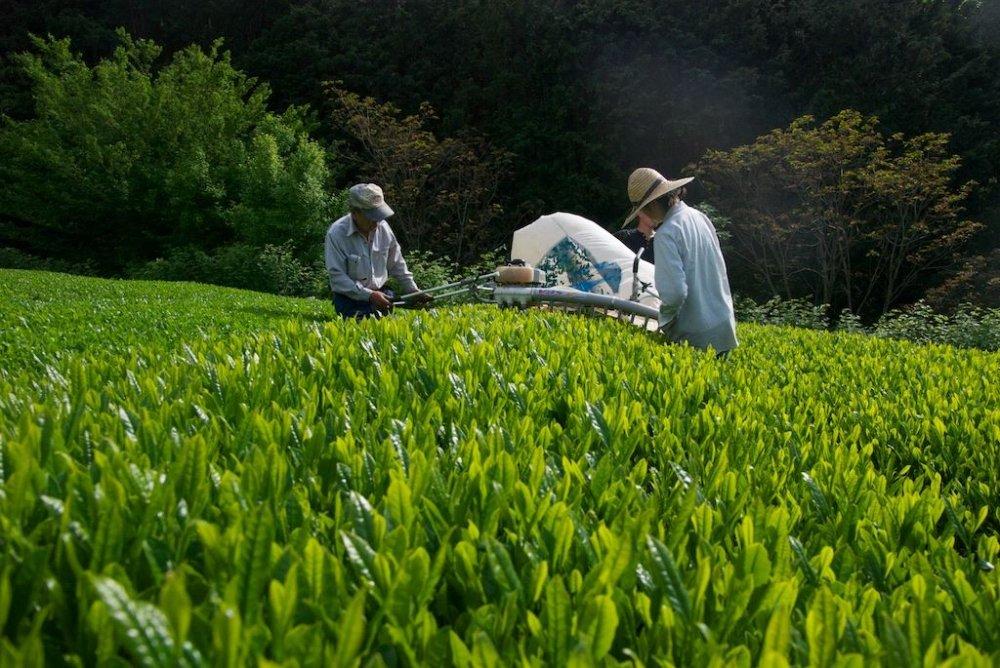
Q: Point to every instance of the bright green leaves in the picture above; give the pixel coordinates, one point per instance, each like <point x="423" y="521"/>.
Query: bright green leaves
<point x="351" y="632"/>
<point x="227" y="637"/>
<point x="253" y="563"/>
<point x="282" y="599"/>
<point x="557" y="618"/>
<point x="755" y="565"/>
<point x="176" y="605"/>
<point x="399" y="504"/>
<point x="407" y="492"/>
<point x="599" y="623"/>
<point x="600" y="426"/>
<point x="502" y="568"/>
<point x="5" y="596"/>
<point x="777" y="638"/>
<point x="669" y="585"/>
<point x="824" y="626"/>
<point x="141" y="627"/>
<point x="924" y="623"/>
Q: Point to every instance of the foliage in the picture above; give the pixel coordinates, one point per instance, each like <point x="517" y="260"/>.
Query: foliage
<point x="12" y="258"/>
<point x="580" y="93"/>
<point x="849" y="321"/>
<point x="787" y="312"/>
<point x="53" y="316"/>
<point x="967" y="326"/>
<point x="148" y="159"/>
<point x="272" y="269"/>
<point x="444" y="190"/>
<point x="466" y="488"/>
<point x="976" y="280"/>
<point x="838" y="213"/>
<point x="277" y="269"/>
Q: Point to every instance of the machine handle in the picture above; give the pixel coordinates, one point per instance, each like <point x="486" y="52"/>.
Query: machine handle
<point x="635" y="262"/>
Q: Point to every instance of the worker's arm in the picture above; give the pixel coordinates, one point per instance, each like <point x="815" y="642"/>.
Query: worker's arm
<point x="336" y="265"/>
<point x="396" y="266"/>
<point x="671" y="281"/>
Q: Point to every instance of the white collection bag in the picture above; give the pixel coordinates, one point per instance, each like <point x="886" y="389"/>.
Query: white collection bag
<point x="578" y="253"/>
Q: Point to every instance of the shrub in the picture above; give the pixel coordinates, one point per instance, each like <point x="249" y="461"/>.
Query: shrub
<point x="273" y="268"/>
<point x="276" y="268"/>
<point x="968" y="326"/>
<point x="193" y="157"/>
<point x="12" y="258"/>
<point x="855" y="215"/>
<point x="287" y="275"/>
<point x="480" y="486"/>
<point x="777" y="311"/>
<point x="849" y="321"/>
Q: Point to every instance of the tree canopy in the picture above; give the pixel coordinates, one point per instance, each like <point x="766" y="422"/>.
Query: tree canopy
<point x="577" y="93"/>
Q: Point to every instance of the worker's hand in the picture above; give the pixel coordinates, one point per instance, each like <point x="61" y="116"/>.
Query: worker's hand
<point x="423" y="299"/>
<point x="379" y="301"/>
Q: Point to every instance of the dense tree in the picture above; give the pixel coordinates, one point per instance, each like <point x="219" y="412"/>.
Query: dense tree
<point x="443" y="190"/>
<point x="840" y="213"/>
<point x="126" y="160"/>
<point x="579" y="92"/>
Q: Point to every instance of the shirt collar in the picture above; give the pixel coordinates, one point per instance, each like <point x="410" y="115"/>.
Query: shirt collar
<point x="353" y="229"/>
<point x="674" y="210"/>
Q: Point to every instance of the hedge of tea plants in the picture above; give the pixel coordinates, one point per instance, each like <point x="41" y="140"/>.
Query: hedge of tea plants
<point x="200" y="476"/>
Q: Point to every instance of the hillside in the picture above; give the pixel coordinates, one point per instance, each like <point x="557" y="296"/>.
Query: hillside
<point x="194" y="474"/>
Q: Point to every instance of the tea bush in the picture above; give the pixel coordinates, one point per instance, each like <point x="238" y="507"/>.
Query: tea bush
<point x="967" y="326"/>
<point x="196" y="475"/>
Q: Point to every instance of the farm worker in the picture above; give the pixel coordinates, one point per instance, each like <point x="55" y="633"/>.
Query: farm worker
<point x="361" y="254"/>
<point x="639" y="237"/>
<point x="696" y="305"/>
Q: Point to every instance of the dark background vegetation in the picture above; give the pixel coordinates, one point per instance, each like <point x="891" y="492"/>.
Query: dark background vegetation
<point x="546" y="105"/>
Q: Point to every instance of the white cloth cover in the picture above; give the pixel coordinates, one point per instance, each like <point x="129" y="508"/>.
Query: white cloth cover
<point x="579" y="253"/>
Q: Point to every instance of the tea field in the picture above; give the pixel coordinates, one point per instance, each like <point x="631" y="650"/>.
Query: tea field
<point x="200" y="476"/>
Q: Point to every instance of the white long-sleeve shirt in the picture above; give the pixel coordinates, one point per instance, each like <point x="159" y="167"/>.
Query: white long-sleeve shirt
<point x="691" y="279"/>
<point x="359" y="265"/>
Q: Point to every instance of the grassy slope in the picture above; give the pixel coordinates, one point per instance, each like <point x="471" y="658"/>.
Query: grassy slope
<point x="56" y="314"/>
<point x="879" y="458"/>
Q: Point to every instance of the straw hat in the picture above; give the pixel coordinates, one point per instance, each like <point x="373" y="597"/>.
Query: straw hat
<point x="645" y="185"/>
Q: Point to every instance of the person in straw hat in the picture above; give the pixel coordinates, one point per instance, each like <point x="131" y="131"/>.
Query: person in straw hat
<point x="696" y="305"/>
<point x="361" y="253"/>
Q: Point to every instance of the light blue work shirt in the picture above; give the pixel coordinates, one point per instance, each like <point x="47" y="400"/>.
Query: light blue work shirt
<point x="695" y="302"/>
<point x="359" y="265"/>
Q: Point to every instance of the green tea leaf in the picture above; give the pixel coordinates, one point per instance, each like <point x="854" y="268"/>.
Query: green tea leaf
<point x="601" y="624"/>
<point x="824" y="624"/>
<point x="668" y="579"/>
<point x="142" y="628"/>
<point x="351" y="632"/>
<point x="557" y="621"/>
<point x="597" y="422"/>
<point x="176" y="605"/>
<point x="253" y="565"/>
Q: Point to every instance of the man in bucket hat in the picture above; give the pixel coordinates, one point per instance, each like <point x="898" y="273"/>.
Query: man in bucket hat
<point x="361" y="254"/>
<point x="696" y="305"/>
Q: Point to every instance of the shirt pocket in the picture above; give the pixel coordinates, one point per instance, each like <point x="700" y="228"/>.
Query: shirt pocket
<point x="357" y="267"/>
<point x="380" y="258"/>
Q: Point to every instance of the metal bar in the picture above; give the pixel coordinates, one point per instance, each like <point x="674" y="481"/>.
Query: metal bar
<point x="527" y="295"/>
<point x="404" y="302"/>
<point x="465" y="281"/>
<point x="460" y="291"/>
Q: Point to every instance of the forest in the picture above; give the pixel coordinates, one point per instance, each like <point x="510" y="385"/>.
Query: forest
<point x="849" y="151"/>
